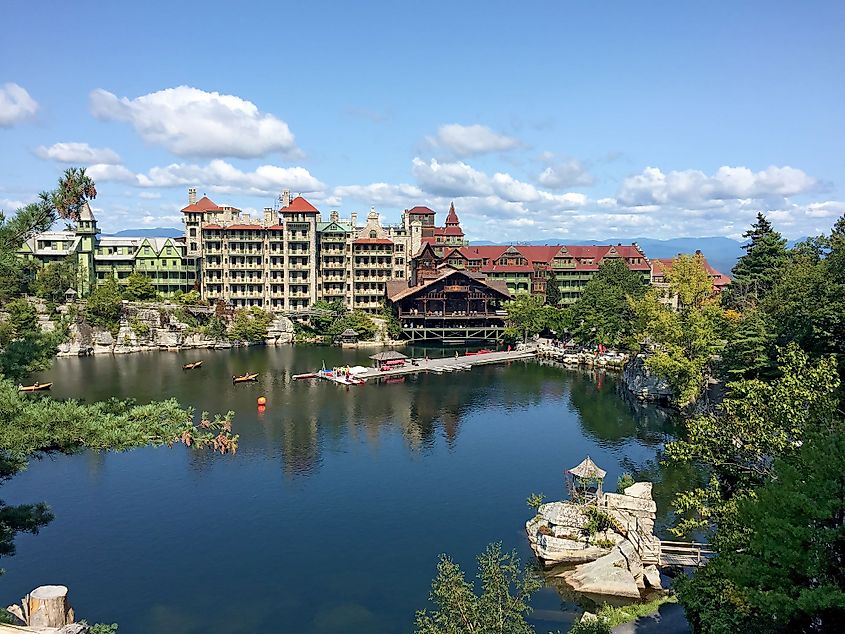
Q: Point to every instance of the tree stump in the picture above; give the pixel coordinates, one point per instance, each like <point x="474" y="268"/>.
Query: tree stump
<point x="47" y="606"/>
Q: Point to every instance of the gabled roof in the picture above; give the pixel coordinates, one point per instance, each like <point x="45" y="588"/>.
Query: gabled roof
<point x="664" y="265"/>
<point x="85" y="212"/>
<point x="419" y="210"/>
<point x="388" y="355"/>
<point x="395" y="292"/>
<point x="299" y="205"/>
<point x="203" y="205"/>
<point x="372" y="241"/>
<point x="448" y="231"/>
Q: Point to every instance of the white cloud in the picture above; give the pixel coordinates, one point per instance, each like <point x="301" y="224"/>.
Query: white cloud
<point x="728" y="183"/>
<point x="149" y="195"/>
<point x="218" y="176"/>
<point x="466" y="140"/>
<point x="568" y="173"/>
<point x="16" y="105"/>
<point x="450" y="179"/>
<point x="10" y="205"/>
<point x="400" y="196"/>
<point x="512" y="190"/>
<point x="192" y="122"/>
<point x="77" y="153"/>
<point x="827" y="209"/>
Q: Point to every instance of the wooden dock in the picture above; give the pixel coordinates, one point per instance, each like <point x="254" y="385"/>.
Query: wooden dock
<point x="447" y="365"/>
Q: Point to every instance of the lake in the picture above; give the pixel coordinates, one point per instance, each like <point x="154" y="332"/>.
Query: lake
<point x="331" y="515"/>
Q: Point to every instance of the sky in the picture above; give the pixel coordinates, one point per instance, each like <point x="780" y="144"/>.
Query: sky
<point x="540" y="120"/>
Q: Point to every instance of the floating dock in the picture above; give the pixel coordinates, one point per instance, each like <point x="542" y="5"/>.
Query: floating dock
<point x="449" y="364"/>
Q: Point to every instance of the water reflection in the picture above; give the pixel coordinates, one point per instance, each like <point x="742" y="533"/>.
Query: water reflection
<point x="339" y="499"/>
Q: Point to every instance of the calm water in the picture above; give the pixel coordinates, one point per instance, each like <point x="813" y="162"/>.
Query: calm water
<point x="332" y="514"/>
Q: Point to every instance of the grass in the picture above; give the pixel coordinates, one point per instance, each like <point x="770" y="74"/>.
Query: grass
<point x="627" y="613"/>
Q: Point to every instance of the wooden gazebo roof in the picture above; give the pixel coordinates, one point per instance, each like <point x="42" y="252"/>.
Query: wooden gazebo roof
<point x="588" y="469"/>
<point x="349" y="333"/>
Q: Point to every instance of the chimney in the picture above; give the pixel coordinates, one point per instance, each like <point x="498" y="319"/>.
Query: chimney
<point x="284" y="198"/>
<point x="268" y="217"/>
<point x="354" y="219"/>
<point x="334" y="216"/>
<point x="192" y="195"/>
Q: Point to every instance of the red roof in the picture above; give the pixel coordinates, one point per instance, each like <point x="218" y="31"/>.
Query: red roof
<point x="509" y="268"/>
<point x="212" y="227"/>
<point x="300" y="205"/>
<point x="243" y="227"/>
<point x="419" y="210"/>
<point x="276" y="227"/>
<point x="664" y="265"/>
<point x="372" y="241"/>
<point x="448" y="231"/>
<point x="546" y="254"/>
<point x="452" y="218"/>
<point x="201" y="206"/>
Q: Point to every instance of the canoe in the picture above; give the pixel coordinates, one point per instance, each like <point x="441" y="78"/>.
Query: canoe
<point x="35" y="387"/>
<point x="252" y="376"/>
<point x="192" y="366"/>
<point x="307" y="375"/>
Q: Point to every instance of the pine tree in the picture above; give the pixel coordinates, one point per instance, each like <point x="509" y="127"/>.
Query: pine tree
<point x="747" y="353"/>
<point x="757" y="271"/>
<point x="553" y="295"/>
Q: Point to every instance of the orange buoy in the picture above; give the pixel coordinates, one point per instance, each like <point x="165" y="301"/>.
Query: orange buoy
<point x="262" y="401"/>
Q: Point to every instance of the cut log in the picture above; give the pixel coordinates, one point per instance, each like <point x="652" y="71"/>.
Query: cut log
<point x="47" y="606"/>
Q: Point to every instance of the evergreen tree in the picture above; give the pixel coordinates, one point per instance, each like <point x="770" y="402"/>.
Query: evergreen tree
<point x="553" y="294"/>
<point x="756" y="272"/>
<point x="748" y="351"/>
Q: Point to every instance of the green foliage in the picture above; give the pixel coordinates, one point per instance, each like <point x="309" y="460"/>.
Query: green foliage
<point x="139" y="327"/>
<point x="215" y="328"/>
<point x="603" y="313"/>
<point x="23" y="347"/>
<point x="525" y="315"/>
<point x="103" y="306"/>
<point x="689" y="281"/>
<point x="624" y="481"/>
<point x="684" y="341"/>
<point x="614" y="616"/>
<point x="54" y="278"/>
<point x="553" y="294"/>
<point x="191" y="298"/>
<point x="535" y="500"/>
<point x="104" y="628"/>
<point x="598" y="521"/>
<point x="322" y="323"/>
<point x="359" y="321"/>
<point x="757" y="271"/>
<point x="391" y="321"/>
<point x="597" y="625"/>
<point x="17" y="276"/>
<point x="250" y="324"/>
<point x="139" y="288"/>
<point x="747" y="353"/>
<point x="758" y="422"/>
<point x="501" y="607"/>
<point x="780" y="567"/>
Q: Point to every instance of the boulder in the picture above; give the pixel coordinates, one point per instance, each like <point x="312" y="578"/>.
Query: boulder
<point x="640" y="381"/>
<point x="563" y="514"/>
<point x="637" y="505"/>
<point x="639" y="490"/>
<point x="652" y="577"/>
<point x="607" y="575"/>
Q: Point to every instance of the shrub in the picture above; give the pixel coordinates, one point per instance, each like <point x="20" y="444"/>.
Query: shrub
<point x="624" y="481"/>
<point x="250" y="325"/>
<point x="597" y="520"/>
<point x="597" y="625"/>
<point x="139" y="327"/>
<point x="104" y="305"/>
<point x="535" y="500"/>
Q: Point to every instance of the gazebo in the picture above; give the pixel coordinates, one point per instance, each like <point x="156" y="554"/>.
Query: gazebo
<point x="70" y="295"/>
<point x="389" y="359"/>
<point x="348" y="336"/>
<point x="584" y="481"/>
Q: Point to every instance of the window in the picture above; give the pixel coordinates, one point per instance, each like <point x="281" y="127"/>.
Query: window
<point x="373" y="234"/>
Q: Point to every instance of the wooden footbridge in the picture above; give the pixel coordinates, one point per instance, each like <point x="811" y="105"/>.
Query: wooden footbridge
<point x="660" y="552"/>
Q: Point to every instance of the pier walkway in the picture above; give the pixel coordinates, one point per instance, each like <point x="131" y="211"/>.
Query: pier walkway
<point x="450" y="364"/>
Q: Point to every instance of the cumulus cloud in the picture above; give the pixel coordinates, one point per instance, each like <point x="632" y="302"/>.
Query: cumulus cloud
<point x="567" y="173"/>
<point x="192" y="122"/>
<point x="77" y="153"/>
<point x="450" y="179"/>
<point x="826" y="209"/>
<point x="467" y="140"/>
<point x="400" y="196"/>
<point x="16" y="105"/>
<point x="694" y="187"/>
<point x="220" y="176"/>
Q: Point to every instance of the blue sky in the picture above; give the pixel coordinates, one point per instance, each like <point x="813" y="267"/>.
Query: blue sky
<point x="539" y="119"/>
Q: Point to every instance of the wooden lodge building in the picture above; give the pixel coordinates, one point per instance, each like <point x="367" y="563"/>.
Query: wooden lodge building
<point x="448" y="305"/>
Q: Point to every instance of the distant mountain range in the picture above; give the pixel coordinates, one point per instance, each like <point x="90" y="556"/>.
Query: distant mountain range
<point x="158" y="232"/>
<point x="721" y="253"/>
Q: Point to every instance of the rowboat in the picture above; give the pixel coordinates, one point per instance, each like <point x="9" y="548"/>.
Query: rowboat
<point x="35" y="387"/>
<point x="192" y="366"/>
<point x="251" y="376"/>
<point x="307" y="375"/>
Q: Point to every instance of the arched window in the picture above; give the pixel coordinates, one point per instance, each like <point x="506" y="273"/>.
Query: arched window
<point x="373" y="234"/>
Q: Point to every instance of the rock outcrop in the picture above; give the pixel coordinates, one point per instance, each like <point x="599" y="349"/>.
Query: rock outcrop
<point x="643" y="383"/>
<point x="609" y="575"/>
